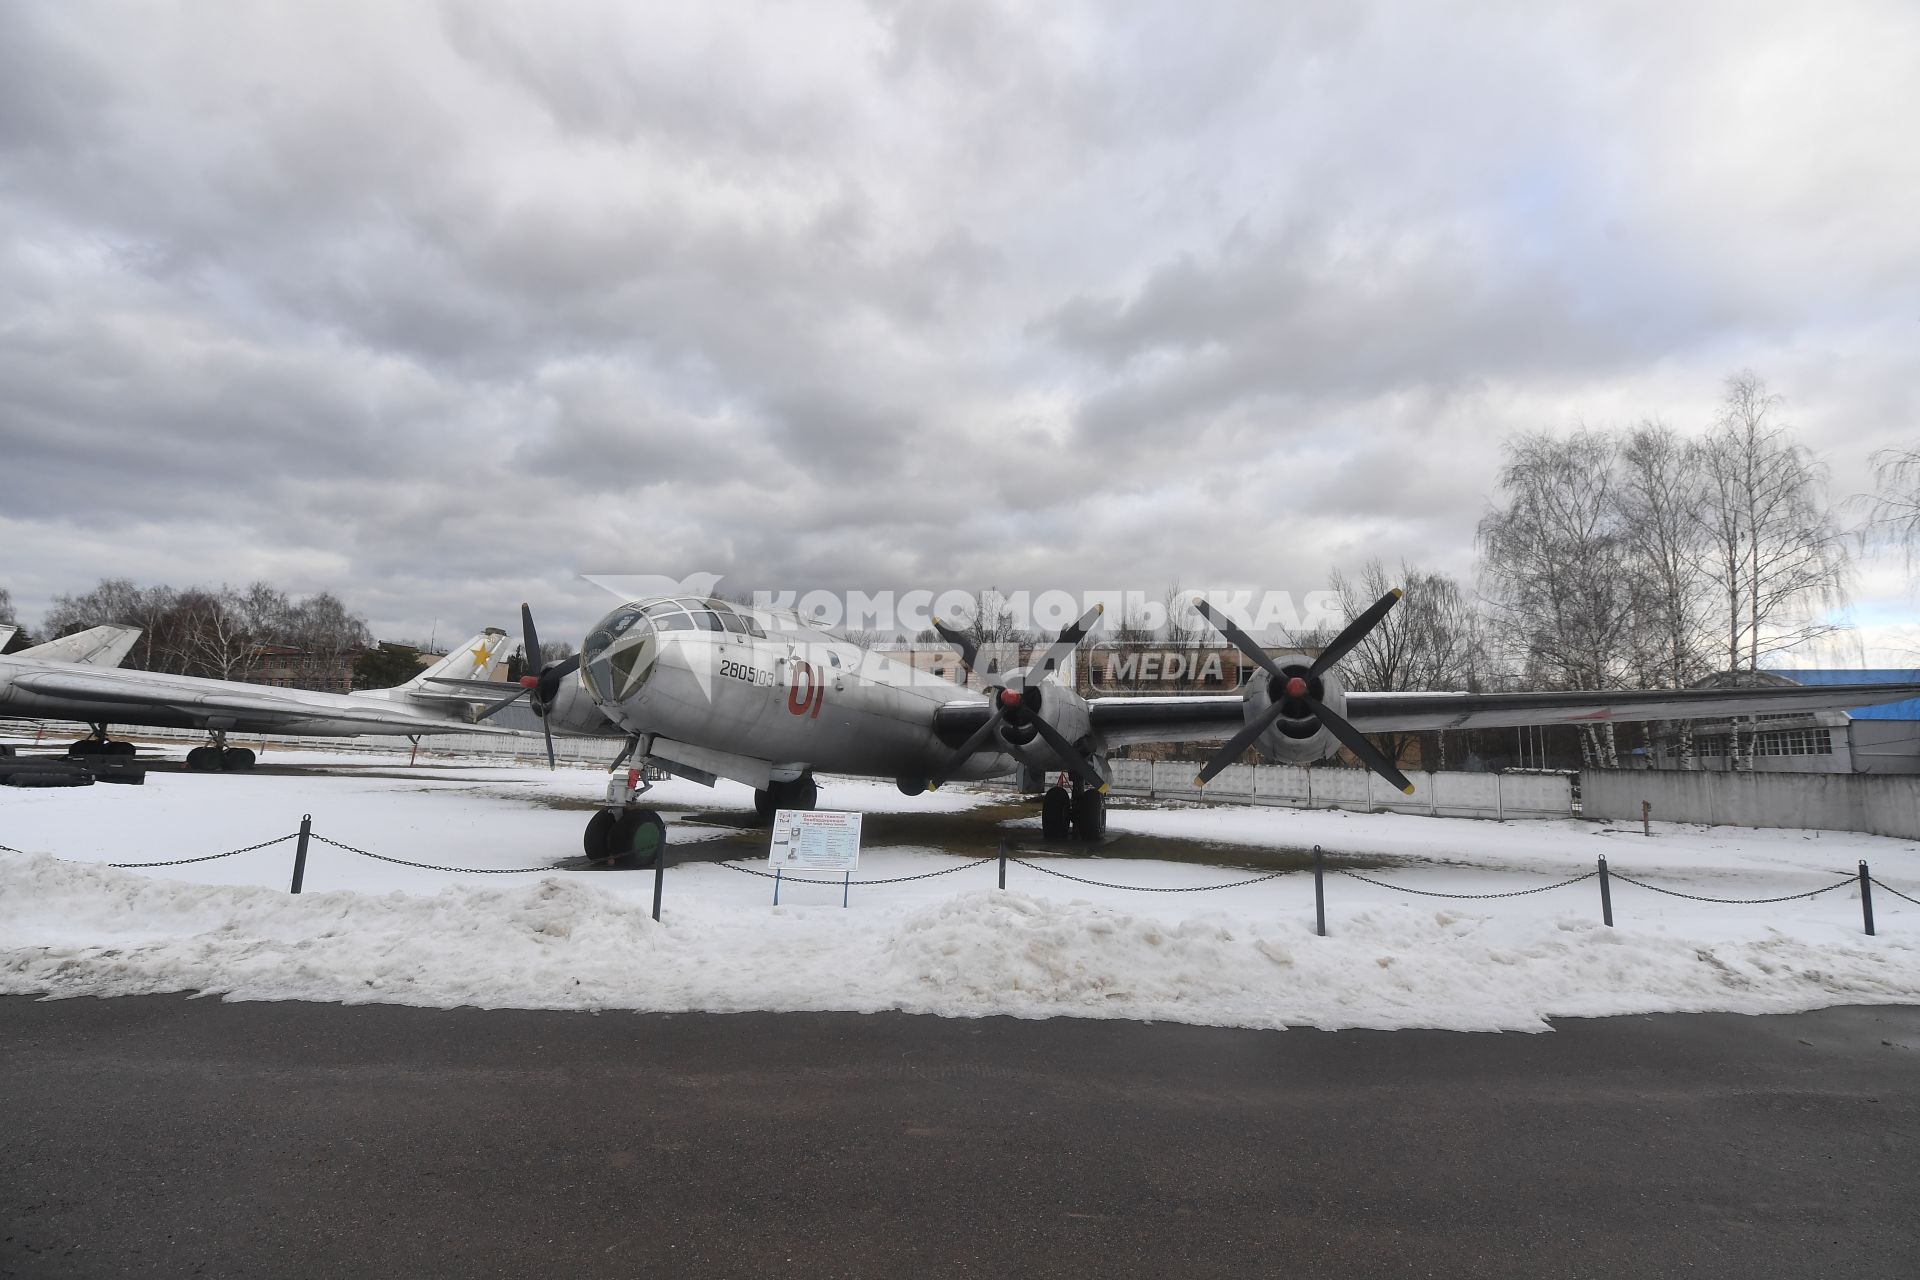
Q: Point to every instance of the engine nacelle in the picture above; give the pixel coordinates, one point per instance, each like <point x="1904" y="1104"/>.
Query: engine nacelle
<point x="1298" y="737"/>
<point x="1058" y="705"/>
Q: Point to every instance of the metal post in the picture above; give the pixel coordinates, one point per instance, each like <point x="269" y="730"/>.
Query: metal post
<point x="1866" y="898"/>
<point x="1606" y="894"/>
<point x="659" y="878"/>
<point x="776" y="886"/>
<point x="1646" y="817"/>
<point x="1003" y="864"/>
<point x="300" y="851"/>
<point x="1319" y="896"/>
<point x="846" y="887"/>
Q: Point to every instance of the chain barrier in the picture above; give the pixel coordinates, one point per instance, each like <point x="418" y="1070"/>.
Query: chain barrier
<point x="1745" y="902"/>
<point x="1895" y="892"/>
<point x="181" y="862"/>
<point x="1434" y="893"/>
<point x="1140" y="888"/>
<point x="7" y="848"/>
<point x="428" y="866"/>
<point x="787" y="879"/>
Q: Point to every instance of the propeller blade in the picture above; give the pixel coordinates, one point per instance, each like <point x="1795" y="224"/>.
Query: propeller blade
<point x="959" y="640"/>
<point x="1068" y="641"/>
<point x="504" y="703"/>
<point x="531" y="638"/>
<point x="547" y="729"/>
<point x="967" y="748"/>
<point x="1356" y="632"/>
<point x="1356" y="742"/>
<point x="1070" y="754"/>
<point x="1239" y="639"/>
<point x="1237" y="744"/>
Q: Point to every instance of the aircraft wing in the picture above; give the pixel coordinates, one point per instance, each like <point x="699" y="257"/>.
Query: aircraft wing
<point x="256" y="705"/>
<point x="1121" y="721"/>
<point x="1397" y="712"/>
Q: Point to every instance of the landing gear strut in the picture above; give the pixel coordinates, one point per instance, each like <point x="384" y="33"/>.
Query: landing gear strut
<point x="98" y="744"/>
<point x="624" y="834"/>
<point x="802" y="793"/>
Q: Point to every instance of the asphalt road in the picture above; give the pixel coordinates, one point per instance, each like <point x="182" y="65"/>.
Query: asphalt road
<point x="163" y="1136"/>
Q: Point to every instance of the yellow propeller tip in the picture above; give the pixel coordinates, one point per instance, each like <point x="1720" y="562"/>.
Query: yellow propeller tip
<point x="1101" y="607"/>
<point x="1199" y="781"/>
<point x="1397" y="593"/>
<point x="1103" y="788"/>
<point x="1408" y="789"/>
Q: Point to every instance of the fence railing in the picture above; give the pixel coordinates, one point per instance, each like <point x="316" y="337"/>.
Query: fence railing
<point x="305" y="837"/>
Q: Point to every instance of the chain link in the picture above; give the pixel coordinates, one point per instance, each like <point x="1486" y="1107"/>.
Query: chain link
<point x="787" y="879"/>
<point x="1434" y="893"/>
<point x="181" y="862"/>
<point x="7" y="848"/>
<point x="1895" y="892"/>
<point x="1748" y="902"/>
<point x="1140" y="888"/>
<point x="428" y="866"/>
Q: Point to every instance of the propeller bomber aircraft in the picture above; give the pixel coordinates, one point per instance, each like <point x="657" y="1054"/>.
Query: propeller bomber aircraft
<point x="709" y="690"/>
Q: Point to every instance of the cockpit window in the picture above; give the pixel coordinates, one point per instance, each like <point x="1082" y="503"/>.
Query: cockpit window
<point x="626" y="619"/>
<point x="728" y="618"/>
<point x="674" y="621"/>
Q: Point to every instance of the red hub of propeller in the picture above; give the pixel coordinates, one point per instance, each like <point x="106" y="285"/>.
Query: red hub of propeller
<point x="1009" y="698"/>
<point x="1296" y="687"/>
<point x="529" y="682"/>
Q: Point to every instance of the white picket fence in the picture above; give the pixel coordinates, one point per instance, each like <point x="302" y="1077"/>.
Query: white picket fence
<point x="1448" y="795"/>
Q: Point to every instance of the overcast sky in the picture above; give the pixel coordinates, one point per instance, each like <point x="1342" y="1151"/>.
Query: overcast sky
<point x="439" y="308"/>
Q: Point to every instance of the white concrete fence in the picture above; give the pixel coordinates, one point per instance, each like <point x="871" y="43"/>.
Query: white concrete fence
<point x="1447" y="795"/>
<point x="1877" y="804"/>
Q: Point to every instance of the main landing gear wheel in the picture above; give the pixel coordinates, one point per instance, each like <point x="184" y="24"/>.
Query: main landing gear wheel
<point x="629" y="838"/>
<point x="236" y="759"/>
<point x="205" y="760"/>
<point x="1056" y="814"/>
<point x="801" y="793"/>
<point x="1089" y="815"/>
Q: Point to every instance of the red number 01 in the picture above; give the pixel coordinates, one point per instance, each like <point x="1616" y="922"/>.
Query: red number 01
<point x="804" y="699"/>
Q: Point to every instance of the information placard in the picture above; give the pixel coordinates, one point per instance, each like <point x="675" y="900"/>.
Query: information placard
<point x="815" y="840"/>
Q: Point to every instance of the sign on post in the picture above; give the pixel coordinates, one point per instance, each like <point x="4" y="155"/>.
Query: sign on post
<point x="815" y="840"/>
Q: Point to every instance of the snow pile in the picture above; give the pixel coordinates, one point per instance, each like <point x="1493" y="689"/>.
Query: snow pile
<point x="72" y="929"/>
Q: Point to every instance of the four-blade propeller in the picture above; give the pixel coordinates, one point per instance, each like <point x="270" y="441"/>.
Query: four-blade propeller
<point x="544" y="687"/>
<point x="1017" y="708"/>
<point x="1297" y="693"/>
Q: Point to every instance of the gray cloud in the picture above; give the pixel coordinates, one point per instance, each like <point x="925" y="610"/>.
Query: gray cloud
<point x="439" y="307"/>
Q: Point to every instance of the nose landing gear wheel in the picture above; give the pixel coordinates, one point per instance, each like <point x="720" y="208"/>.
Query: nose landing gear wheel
<point x="632" y="838"/>
<point x="1056" y="814"/>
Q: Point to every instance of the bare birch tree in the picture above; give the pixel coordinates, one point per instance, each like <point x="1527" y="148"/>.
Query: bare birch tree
<point x="1555" y="566"/>
<point x="1777" y="558"/>
<point x="1894" y="514"/>
<point x="1430" y="642"/>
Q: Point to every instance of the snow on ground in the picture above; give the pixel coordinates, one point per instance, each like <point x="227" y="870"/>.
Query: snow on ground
<point x="368" y="931"/>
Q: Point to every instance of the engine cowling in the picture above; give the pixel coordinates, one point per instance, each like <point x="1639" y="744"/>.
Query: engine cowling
<point x="1060" y="707"/>
<point x="1298" y="737"/>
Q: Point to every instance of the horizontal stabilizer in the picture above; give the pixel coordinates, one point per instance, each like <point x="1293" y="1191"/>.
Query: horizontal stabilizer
<point x="105" y="646"/>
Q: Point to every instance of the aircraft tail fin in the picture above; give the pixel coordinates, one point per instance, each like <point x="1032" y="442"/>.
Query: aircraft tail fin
<point x="6" y="633"/>
<point x="482" y="658"/>
<point x="105" y="646"/>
